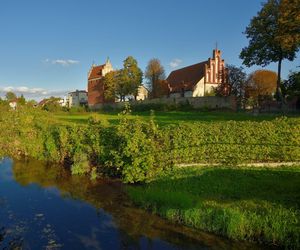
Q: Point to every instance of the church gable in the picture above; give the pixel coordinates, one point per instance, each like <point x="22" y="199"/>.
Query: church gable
<point x="198" y="78"/>
<point x="215" y="68"/>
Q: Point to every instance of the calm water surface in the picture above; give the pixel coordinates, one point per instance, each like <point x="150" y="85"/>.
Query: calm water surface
<point x="44" y="207"/>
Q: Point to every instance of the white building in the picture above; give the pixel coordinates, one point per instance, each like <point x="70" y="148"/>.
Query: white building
<point x="143" y="93"/>
<point x="64" y="102"/>
<point x="77" y="98"/>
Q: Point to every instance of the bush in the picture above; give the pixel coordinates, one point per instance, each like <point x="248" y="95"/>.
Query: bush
<point x="79" y="109"/>
<point x="136" y="151"/>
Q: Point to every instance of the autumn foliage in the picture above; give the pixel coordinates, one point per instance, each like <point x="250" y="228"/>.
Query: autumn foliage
<point x="261" y="83"/>
<point x="155" y="75"/>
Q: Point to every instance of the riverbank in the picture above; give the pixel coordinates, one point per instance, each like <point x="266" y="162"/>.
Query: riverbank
<point x="43" y="206"/>
<point x="254" y="204"/>
<point x="139" y="151"/>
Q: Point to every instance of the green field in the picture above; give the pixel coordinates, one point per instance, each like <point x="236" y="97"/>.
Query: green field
<point x="247" y="204"/>
<point x="166" y="118"/>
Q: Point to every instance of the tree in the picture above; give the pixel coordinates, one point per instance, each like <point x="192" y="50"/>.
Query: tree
<point x="291" y="86"/>
<point x="236" y="80"/>
<point x="123" y="82"/>
<point x="122" y="85"/>
<point x="2" y="101"/>
<point x="274" y="36"/>
<point x="235" y="84"/>
<point x="22" y="100"/>
<point x="31" y="103"/>
<point x="155" y="74"/>
<point x="10" y="96"/>
<point x="289" y="19"/>
<point x="131" y="76"/>
<point x="51" y="104"/>
<point x="110" y="83"/>
<point x="263" y="82"/>
<point x="260" y="85"/>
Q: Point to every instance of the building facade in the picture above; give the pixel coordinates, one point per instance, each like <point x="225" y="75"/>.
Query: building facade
<point x="95" y="83"/>
<point x="199" y="79"/>
<point x="64" y="102"/>
<point x="143" y="93"/>
<point x="77" y="98"/>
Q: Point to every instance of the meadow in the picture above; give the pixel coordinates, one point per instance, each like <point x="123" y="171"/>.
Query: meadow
<point x="168" y="118"/>
<point x="255" y="204"/>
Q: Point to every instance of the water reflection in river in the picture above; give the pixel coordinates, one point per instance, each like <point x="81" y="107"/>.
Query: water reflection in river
<point x="44" y="207"/>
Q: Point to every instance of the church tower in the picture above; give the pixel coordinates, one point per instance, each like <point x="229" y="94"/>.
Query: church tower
<point x="96" y="86"/>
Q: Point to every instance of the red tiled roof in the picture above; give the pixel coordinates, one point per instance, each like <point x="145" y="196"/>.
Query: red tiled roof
<point x="186" y="77"/>
<point x="96" y="72"/>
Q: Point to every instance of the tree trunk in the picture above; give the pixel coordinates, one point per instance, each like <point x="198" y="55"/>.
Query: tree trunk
<point x="278" y="88"/>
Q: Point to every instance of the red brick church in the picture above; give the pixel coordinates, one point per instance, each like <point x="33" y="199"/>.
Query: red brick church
<point x="95" y="83"/>
<point x="199" y="79"/>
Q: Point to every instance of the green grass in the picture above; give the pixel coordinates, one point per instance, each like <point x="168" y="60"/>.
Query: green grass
<point x="253" y="204"/>
<point x="166" y="118"/>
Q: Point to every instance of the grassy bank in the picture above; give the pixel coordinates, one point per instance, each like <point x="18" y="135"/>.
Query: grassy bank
<point x="253" y="204"/>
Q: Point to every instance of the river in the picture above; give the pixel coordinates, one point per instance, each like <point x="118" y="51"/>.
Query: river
<point x="45" y="207"/>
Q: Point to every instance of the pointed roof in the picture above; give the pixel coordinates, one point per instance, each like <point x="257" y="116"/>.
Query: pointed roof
<point x="96" y="72"/>
<point x="188" y="76"/>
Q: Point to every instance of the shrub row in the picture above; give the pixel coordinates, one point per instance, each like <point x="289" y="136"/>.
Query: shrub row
<point x="136" y="150"/>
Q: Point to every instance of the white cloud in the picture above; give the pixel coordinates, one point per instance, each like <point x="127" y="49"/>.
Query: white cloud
<point x="175" y="63"/>
<point x="32" y="93"/>
<point x="62" y="62"/>
<point x="7" y="89"/>
<point x="23" y="90"/>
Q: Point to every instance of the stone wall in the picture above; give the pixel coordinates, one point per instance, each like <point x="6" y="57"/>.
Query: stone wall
<point x="206" y="102"/>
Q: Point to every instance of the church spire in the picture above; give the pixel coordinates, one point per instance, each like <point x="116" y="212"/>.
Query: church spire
<point x="216" y="52"/>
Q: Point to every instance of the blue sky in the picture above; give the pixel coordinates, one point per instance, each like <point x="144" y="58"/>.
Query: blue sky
<point x="47" y="47"/>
